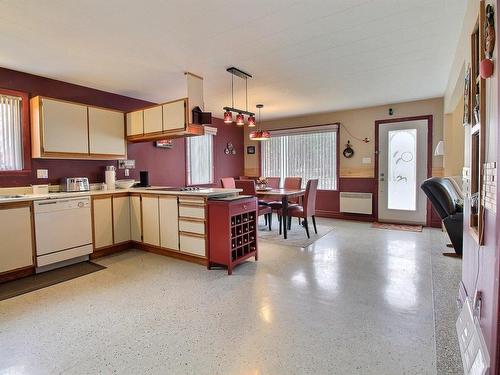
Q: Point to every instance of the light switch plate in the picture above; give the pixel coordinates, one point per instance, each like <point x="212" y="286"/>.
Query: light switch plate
<point x="42" y="173"/>
<point x="127" y="172"/>
<point x="367" y="160"/>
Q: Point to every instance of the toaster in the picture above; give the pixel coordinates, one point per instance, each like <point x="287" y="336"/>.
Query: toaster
<point x="71" y="184"/>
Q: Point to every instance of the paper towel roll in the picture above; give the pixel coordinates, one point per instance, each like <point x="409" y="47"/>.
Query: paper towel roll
<point x="110" y="177"/>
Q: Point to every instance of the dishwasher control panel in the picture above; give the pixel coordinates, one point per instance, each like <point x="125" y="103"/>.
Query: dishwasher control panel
<point x="50" y="205"/>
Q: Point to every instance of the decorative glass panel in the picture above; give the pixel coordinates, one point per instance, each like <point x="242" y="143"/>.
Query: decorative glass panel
<point x="402" y="170"/>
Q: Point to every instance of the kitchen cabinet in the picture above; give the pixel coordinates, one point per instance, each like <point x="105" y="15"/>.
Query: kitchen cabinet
<point x="169" y="227"/>
<point x="174" y="115"/>
<point x="135" y="123"/>
<point x="192" y="234"/>
<point x="65" y="130"/>
<point x="150" y="220"/>
<point x="153" y="120"/>
<point x="135" y="218"/>
<point x="107" y="132"/>
<point x="102" y="214"/>
<point x="62" y="127"/>
<point x="17" y="237"/>
<point x="121" y="219"/>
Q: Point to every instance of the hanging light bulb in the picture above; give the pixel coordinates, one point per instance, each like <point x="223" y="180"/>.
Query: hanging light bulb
<point x="251" y="121"/>
<point x="240" y="119"/>
<point x="228" y="117"/>
<point x="259" y="135"/>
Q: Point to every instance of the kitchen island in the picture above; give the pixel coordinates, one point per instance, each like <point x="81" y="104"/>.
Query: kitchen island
<point x="161" y="220"/>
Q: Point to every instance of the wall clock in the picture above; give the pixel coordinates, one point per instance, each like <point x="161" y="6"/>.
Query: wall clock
<point x="348" y="151"/>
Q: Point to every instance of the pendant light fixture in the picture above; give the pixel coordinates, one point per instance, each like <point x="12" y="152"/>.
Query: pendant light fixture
<point x="228" y="111"/>
<point x="260" y="135"/>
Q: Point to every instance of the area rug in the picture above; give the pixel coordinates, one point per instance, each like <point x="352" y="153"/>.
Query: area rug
<point x="295" y="237"/>
<point x="42" y="280"/>
<point x="403" y="227"/>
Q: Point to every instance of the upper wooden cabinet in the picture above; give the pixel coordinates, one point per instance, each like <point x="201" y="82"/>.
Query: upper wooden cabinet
<point x="106" y="132"/>
<point x="153" y="120"/>
<point x="65" y="130"/>
<point x="164" y="121"/>
<point x="135" y="123"/>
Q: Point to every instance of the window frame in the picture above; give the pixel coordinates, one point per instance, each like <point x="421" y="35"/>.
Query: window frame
<point x="25" y="133"/>
<point x="186" y="153"/>
<point x="303" y="129"/>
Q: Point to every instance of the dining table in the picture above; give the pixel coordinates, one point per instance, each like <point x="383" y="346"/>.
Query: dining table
<point x="285" y="195"/>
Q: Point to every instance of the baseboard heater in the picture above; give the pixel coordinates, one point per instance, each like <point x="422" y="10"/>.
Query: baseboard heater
<point x="356" y="203"/>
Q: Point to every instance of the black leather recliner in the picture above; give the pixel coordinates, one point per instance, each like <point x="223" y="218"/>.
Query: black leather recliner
<point x="446" y="202"/>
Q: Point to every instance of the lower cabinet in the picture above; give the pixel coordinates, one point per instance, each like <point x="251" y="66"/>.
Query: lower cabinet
<point x="135" y="218"/>
<point x="121" y="219"/>
<point x="169" y="222"/>
<point x="192" y="219"/>
<point x="102" y="213"/>
<point x="16" y="234"/>
<point x="150" y="220"/>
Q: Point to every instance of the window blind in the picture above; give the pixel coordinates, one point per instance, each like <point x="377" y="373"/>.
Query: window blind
<point x="200" y="159"/>
<point x="302" y="154"/>
<point x="11" y="150"/>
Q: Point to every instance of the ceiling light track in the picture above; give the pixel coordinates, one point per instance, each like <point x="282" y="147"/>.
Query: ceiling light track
<point x="228" y="111"/>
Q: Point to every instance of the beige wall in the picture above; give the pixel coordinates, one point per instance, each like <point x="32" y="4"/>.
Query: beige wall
<point x="361" y="124"/>
<point x="454" y="134"/>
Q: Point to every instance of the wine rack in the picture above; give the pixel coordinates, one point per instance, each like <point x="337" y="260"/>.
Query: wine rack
<point x="233" y="231"/>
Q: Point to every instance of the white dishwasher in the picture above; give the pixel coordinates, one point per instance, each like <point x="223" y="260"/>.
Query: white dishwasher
<point x="63" y="231"/>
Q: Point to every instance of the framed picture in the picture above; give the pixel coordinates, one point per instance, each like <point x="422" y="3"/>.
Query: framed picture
<point x="250" y="150"/>
<point x="467" y="102"/>
<point x="168" y="143"/>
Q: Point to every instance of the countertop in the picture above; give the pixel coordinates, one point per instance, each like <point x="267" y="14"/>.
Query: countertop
<point x="205" y="193"/>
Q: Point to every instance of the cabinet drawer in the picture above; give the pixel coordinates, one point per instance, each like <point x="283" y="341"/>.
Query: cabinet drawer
<point x="246" y="206"/>
<point x="192" y="226"/>
<point x="192" y="244"/>
<point x="192" y="210"/>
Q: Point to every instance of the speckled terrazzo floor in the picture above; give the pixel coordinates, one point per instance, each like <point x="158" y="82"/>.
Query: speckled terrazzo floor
<point x="358" y="301"/>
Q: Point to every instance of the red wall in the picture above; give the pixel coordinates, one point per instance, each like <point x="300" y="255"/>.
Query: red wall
<point x="167" y="167"/>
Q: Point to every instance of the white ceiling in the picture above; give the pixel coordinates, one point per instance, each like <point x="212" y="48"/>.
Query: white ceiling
<point x="306" y="56"/>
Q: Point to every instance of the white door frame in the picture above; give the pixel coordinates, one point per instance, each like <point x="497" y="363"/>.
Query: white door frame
<point x="429" y="119"/>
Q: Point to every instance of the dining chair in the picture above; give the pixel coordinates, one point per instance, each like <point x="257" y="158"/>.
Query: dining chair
<point x="244" y="178"/>
<point x="308" y="209"/>
<point x="227" y="182"/>
<point x="274" y="182"/>
<point x="248" y="187"/>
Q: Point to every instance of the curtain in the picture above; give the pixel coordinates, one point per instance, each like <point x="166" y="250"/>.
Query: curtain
<point x="200" y="159"/>
<point x="302" y="154"/>
<point x="11" y="153"/>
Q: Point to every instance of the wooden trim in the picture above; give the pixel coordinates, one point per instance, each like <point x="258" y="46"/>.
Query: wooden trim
<point x="191" y="219"/>
<point x="8" y="205"/>
<point x="344" y="216"/>
<point x="103" y="251"/>
<point x="191" y="234"/>
<point x="17" y="274"/>
<point x="171" y="253"/>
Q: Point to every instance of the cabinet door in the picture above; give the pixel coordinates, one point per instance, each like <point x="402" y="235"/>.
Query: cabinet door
<point x="135" y="123"/>
<point x="64" y="127"/>
<point x="153" y="120"/>
<point x="135" y="218"/>
<point x="121" y="219"/>
<point x="103" y="222"/>
<point x="174" y="115"/>
<point x="106" y="132"/>
<point x="150" y="220"/>
<point x="169" y="227"/>
<point x="16" y="235"/>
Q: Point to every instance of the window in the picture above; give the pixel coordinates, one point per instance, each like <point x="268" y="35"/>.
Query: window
<point x="308" y="153"/>
<point x="200" y="158"/>
<point x="11" y="137"/>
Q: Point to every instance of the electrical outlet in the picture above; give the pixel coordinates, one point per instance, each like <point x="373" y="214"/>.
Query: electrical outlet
<point x="367" y="160"/>
<point x="42" y="173"/>
<point x="127" y="172"/>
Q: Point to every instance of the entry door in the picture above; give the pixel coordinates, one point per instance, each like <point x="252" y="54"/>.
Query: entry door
<point x="402" y="166"/>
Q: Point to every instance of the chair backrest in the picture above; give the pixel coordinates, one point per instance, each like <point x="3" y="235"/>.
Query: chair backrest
<point x="274" y="182"/>
<point x="442" y="196"/>
<point x="293" y="183"/>
<point x="310" y="197"/>
<point x="227" y="182"/>
<point x="248" y="187"/>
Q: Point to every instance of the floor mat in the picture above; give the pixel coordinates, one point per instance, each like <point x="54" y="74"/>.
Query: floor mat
<point x="30" y="283"/>
<point x="403" y="227"/>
